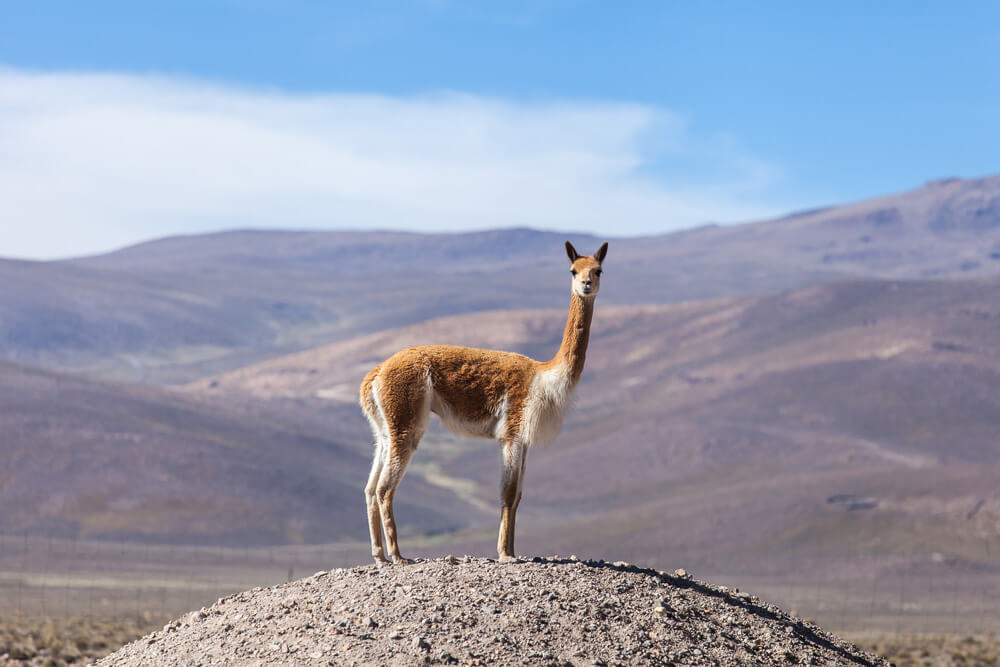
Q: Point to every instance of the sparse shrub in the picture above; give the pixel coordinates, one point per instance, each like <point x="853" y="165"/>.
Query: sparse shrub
<point x="23" y="650"/>
<point x="910" y="650"/>
<point x="61" y="642"/>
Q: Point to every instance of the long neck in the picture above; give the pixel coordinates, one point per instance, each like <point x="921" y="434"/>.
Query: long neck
<point x="573" y="351"/>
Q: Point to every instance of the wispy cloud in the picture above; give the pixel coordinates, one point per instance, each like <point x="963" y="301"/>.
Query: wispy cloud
<point x="93" y="161"/>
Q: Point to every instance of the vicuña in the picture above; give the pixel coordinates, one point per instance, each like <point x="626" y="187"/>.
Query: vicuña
<point x="482" y="393"/>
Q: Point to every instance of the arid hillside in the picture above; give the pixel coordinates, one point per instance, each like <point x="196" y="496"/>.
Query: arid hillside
<point x="744" y="432"/>
<point x="95" y="459"/>
<point x="174" y="310"/>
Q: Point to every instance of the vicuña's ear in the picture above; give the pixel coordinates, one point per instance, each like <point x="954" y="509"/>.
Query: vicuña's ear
<point x="599" y="255"/>
<point x="571" y="252"/>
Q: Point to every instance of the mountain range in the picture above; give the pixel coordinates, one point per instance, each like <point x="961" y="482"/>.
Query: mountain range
<point x="176" y="309"/>
<point x="754" y="394"/>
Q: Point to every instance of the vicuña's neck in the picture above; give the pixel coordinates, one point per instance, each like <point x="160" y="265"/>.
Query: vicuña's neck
<point x="573" y="351"/>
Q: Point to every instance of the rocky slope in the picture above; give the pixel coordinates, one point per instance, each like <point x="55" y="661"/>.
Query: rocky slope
<point x="477" y="611"/>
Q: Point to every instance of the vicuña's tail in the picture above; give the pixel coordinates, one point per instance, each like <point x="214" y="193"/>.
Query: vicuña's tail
<point x="368" y="393"/>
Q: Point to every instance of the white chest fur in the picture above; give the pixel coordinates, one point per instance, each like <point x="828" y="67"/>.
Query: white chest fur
<point x="548" y="399"/>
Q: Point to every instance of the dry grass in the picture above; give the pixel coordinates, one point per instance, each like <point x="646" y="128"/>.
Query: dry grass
<point x="54" y="642"/>
<point x="932" y="650"/>
<point x="80" y="640"/>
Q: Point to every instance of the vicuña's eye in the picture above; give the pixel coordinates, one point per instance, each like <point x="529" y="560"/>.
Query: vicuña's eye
<point x="597" y="273"/>
<point x="573" y="271"/>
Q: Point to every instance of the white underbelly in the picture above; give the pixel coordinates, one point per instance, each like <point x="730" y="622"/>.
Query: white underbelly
<point x="492" y="427"/>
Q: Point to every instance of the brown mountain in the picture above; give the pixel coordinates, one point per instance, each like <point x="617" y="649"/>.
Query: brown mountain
<point x="176" y="309"/>
<point x="743" y="432"/>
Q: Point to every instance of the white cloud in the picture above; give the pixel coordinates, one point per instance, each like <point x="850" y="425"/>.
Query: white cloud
<point x="93" y="161"/>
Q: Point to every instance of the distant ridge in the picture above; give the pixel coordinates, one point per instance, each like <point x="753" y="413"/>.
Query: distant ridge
<point x="173" y="310"/>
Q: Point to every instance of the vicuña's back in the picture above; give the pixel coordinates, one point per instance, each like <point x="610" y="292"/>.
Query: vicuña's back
<point x="483" y="393"/>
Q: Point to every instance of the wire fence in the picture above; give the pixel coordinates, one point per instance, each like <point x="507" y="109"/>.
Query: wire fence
<point x="945" y="603"/>
<point x="52" y="577"/>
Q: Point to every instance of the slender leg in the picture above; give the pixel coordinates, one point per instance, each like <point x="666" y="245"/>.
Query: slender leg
<point x="374" y="517"/>
<point x="393" y="468"/>
<point x="517" y="500"/>
<point x="511" y="472"/>
<point x="404" y="420"/>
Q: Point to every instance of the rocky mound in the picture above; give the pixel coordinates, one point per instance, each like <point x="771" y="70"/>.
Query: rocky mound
<point x="478" y="611"/>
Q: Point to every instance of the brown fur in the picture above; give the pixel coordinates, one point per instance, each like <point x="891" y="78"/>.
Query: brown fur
<point x="476" y="392"/>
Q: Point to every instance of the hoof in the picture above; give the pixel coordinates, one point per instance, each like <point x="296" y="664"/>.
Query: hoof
<point x="380" y="560"/>
<point x="504" y="558"/>
<point x="399" y="560"/>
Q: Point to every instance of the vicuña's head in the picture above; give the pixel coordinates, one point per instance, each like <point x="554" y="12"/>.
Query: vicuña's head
<point x="586" y="270"/>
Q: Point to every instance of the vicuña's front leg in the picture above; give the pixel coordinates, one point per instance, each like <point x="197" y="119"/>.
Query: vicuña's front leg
<point x="511" y="478"/>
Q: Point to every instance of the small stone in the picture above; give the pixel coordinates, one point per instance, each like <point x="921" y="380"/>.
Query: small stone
<point x="681" y="573"/>
<point x="443" y="656"/>
<point x="420" y="644"/>
<point x="369" y="622"/>
<point x="451" y="560"/>
<point x="319" y="575"/>
<point x="660" y="610"/>
<point x="621" y="563"/>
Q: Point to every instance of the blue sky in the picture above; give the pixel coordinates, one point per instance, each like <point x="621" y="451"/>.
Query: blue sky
<point x="619" y="118"/>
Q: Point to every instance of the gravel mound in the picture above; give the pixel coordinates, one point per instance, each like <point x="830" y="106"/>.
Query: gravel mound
<point x="546" y="611"/>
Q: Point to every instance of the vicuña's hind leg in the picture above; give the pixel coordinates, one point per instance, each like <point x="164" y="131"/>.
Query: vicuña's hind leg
<point x="393" y="468"/>
<point x="405" y="412"/>
<point x="374" y="516"/>
<point x="511" y="480"/>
